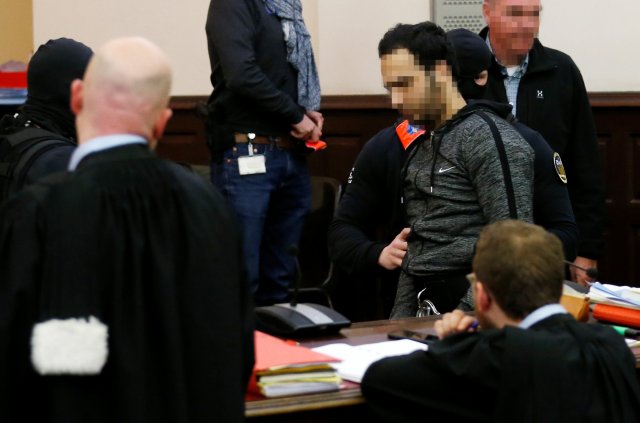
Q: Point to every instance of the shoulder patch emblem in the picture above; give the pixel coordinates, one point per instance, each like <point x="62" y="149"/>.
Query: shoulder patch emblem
<point x="408" y="133"/>
<point x="557" y="163"/>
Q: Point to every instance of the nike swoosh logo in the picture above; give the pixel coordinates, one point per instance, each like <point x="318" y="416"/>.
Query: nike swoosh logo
<point x="445" y="170"/>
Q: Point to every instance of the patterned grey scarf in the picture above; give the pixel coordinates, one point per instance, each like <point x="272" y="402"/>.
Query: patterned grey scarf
<point x="299" y="50"/>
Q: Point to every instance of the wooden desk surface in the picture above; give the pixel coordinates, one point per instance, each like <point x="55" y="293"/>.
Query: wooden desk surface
<point x="307" y="407"/>
<point x="357" y="334"/>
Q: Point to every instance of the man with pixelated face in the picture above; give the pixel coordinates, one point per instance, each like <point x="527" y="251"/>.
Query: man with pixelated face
<point x="548" y="94"/>
<point x="368" y="237"/>
<point x="454" y="182"/>
<point x="416" y="93"/>
<point x="419" y="91"/>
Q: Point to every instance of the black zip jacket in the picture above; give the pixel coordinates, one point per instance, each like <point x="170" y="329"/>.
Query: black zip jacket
<point x="552" y="99"/>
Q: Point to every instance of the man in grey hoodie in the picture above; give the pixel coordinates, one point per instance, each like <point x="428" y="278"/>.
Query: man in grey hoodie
<point x="474" y="169"/>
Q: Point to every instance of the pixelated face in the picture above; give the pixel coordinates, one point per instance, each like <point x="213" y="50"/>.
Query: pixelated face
<point x="413" y="89"/>
<point x="513" y="24"/>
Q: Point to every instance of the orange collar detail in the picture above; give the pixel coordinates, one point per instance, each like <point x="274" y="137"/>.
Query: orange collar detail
<point x="408" y="134"/>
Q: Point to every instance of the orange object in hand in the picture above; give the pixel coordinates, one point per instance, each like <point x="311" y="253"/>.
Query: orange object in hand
<point x="316" y="145"/>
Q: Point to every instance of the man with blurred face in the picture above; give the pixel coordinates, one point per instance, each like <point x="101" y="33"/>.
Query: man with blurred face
<point x="548" y="94"/>
<point x="473" y="169"/>
<point x="416" y="94"/>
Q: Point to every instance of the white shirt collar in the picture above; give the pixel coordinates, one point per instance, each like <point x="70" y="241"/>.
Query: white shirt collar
<point x="102" y="143"/>
<point x="542" y="313"/>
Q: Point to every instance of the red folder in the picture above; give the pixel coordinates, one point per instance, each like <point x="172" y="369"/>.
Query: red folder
<point x="13" y="79"/>
<point x="274" y="355"/>
<point x="619" y="315"/>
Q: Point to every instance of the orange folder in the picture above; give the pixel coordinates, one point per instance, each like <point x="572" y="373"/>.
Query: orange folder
<point x="619" y="315"/>
<point x="276" y="356"/>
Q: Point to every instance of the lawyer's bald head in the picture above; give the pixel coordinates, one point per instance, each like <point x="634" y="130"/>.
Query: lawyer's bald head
<point x="125" y="90"/>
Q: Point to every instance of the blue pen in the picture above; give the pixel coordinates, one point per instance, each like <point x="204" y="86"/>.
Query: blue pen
<point x="474" y="326"/>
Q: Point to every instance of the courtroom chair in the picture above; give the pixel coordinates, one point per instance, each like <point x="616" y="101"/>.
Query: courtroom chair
<point x="315" y="267"/>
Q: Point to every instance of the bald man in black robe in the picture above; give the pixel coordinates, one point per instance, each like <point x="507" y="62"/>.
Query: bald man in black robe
<point x="530" y="362"/>
<point x="122" y="296"/>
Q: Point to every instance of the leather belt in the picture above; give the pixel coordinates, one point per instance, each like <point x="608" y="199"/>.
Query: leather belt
<point x="283" y="143"/>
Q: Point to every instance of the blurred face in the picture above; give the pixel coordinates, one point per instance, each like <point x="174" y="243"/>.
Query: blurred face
<point x="513" y="24"/>
<point x="414" y="90"/>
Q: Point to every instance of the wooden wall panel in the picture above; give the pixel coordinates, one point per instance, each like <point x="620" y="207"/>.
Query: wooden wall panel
<point x="619" y="140"/>
<point x="351" y="120"/>
<point x="634" y="175"/>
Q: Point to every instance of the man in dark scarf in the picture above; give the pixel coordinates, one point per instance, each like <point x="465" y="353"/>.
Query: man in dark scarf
<point x="261" y="113"/>
<point x="51" y="70"/>
<point x="299" y="50"/>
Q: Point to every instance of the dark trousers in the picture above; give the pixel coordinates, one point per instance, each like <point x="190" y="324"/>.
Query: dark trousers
<point x="271" y="208"/>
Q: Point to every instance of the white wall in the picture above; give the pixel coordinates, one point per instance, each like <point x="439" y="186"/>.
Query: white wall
<point x="175" y="25"/>
<point x="602" y="37"/>
<point x="349" y="32"/>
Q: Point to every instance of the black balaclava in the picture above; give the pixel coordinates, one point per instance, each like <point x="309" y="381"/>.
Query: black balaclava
<point x="473" y="56"/>
<point x="51" y="70"/>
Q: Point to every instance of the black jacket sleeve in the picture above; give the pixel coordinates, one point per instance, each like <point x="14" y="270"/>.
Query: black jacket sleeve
<point x="352" y="233"/>
<point x="231" y="32"/>
<point x="551" y="204"/>
<point x="586" y="183"/>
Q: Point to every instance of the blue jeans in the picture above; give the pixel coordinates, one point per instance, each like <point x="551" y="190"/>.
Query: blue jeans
<point x="271" y="209"/>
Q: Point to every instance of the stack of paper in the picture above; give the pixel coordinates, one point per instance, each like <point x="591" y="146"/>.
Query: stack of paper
<point x="283" y="368"/>
<point x="616" y="304"/>
<point x="623" y="296"/>
<point x="356" y="359"/>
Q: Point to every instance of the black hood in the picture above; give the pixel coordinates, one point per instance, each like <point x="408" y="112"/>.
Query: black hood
<point x="51" y="70"/>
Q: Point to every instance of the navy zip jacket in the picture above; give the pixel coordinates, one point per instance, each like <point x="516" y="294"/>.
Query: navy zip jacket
<point x="371" y="212"/>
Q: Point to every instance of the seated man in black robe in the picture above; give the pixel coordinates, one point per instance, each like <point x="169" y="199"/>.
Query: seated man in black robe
<point x="122" y="296"/>
<point x="530" y="362"/>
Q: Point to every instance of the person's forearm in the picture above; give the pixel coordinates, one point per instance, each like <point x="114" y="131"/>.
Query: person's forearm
<point x="351" y="249"/>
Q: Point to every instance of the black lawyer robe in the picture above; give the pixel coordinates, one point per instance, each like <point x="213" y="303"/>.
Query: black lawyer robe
<point x="148" y="248"/>
<point x="559" y="370"/>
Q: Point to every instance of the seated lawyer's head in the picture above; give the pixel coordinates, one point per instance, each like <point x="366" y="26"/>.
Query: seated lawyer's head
<point x="529" y="361"/>
<point x="517" y="269"/>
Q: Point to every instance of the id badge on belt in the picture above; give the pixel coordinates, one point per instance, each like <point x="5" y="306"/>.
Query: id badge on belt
<point x="252" y="164"/>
